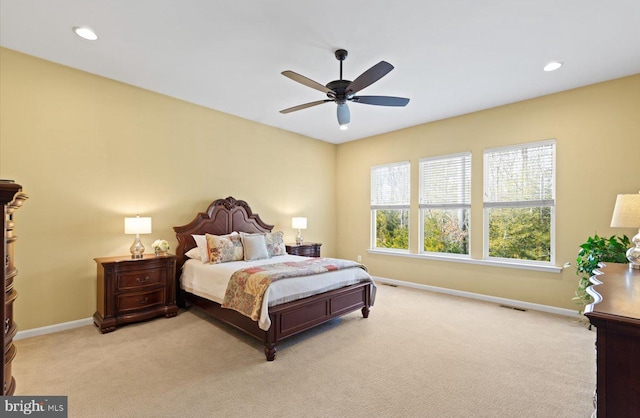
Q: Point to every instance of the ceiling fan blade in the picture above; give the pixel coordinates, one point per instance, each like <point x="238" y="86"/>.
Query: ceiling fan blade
<point x="304" y="106"/>
<point x="369" y="77"/>
<point x="381" y="100"/>
<point x="307" y="82"/>
<point x="344" y="116"/>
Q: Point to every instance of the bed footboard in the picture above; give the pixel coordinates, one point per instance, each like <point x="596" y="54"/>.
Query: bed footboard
<point x="293" y="317"/>
<point x="297" y="316"/>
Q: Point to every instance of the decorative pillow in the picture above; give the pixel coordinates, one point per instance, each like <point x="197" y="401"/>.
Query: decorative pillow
<point x="275" y="243"/>
<point x="194" y="253"/>
<point x="224" y="248"/>
<point x="255" y="246"/>
<point x="201" y="242"/>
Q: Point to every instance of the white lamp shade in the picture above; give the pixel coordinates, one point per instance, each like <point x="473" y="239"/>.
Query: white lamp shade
<point x="626" y="213"/>
<point x="137" y="225"/>
<point x="299" y="223"/>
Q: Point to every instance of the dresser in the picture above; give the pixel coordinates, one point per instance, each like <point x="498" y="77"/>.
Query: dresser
<point x="616" y="314"/>
<point x="132" y="290"/>
<point x="11" y="199"/>
<point x="306" y="249"/>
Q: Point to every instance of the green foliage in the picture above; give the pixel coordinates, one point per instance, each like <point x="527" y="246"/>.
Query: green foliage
<point x="594" y="251"/>
<point x="392" y="229"/>
<point x="520" y="233"/>
<point x="446" y="231"/>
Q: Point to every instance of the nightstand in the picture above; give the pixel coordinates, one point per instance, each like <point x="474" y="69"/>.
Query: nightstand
<point x="132" y="290"/>
<point x="306" y="249"/>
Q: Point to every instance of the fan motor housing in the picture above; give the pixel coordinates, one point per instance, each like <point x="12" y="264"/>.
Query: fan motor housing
<point x="339" y="87"/>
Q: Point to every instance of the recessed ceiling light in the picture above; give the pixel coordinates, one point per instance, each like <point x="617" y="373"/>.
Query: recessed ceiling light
<point x="85" y="32"/>
<point x="552" y="66"/>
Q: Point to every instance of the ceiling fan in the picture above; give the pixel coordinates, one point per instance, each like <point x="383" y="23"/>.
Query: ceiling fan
<point x="343" y="91"/>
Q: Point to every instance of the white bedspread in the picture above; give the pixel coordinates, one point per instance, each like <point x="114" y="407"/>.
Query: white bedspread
<point x="210" y="282"/>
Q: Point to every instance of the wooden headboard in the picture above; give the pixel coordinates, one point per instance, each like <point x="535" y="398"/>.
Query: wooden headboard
<point x="222" y="217"/>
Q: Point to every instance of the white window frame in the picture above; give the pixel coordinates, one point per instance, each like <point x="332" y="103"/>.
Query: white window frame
<point x="521" y="204"/>
<point x="375" y="206"/>
<point x="465" y="204"/>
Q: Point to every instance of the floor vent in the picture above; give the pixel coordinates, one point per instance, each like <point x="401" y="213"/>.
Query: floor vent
<point x="514" y="308"/>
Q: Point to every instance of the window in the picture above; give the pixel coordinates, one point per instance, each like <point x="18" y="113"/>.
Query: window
<point x="445" y="202"/>
<point x="390" y="206"/>
<point x="519" y="202"/>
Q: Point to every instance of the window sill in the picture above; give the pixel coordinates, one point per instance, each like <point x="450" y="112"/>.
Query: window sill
<point x="451" y="258"/>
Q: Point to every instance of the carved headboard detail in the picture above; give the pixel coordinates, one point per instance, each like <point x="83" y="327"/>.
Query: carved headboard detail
<point x="222" y="217"/>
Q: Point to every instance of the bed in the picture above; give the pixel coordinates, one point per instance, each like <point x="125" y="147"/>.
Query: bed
<point x="283" y="318"/>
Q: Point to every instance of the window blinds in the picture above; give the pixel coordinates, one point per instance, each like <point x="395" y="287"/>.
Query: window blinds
<point x="445" y="182"/>
<point x="520" y="176"/>
<point x="390" y="186"/>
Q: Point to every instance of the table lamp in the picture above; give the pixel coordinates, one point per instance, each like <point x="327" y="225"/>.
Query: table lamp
<point x="626" y="214"/>
<point x="299" y="223"/>
<point x="137" y="226"/>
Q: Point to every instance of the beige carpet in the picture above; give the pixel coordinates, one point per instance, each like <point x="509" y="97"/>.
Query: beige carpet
<point x="418" y="354"/>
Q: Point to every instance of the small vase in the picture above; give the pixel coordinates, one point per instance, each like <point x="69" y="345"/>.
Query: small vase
<point x="160" y="253"/>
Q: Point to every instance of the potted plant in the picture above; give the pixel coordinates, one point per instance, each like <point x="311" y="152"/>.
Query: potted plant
<point x="594" y="251"/>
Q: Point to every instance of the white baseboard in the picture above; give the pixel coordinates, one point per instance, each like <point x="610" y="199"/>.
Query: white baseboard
<point x="34" y="332"/>
<point x="501" y="301"/>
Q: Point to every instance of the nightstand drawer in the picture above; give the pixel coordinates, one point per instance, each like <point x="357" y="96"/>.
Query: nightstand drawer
<point x="138" y="279"/>
<point x="310" y="249"/>
<point x="307" y="251"/>
<point x="135" y="301"/>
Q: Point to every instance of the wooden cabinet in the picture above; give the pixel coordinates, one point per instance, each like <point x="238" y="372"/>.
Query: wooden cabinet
<point x="11" y="198"/>
<point x="306" y="249"/>
<point x="132" y="290"/>
<point x="616" y="314"/>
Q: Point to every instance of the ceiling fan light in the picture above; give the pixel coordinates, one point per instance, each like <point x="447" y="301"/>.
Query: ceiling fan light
<point x="85" y="33"/>
<point x="344" y="127"/>
<point x="344" y="116"/>
<point x="552" y="66"/>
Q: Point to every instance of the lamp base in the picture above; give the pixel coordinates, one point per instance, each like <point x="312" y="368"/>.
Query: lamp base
<point x="137" y="249"/>
<point x="633" y="253"/>
<point x="299" y="239"/>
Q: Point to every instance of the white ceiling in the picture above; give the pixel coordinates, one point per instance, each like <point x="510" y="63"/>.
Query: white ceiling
<point x="451" y="57"/>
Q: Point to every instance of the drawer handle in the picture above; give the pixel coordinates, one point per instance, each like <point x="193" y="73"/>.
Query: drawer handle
<point x="139" y="280"/>
<point x="141" y="301"/>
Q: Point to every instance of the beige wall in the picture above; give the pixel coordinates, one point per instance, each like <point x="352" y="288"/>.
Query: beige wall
<point x="597" y="129"/>
<point x="90" y="151"/>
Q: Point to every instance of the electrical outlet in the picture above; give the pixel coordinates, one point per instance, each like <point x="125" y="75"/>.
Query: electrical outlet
<point x="359" y="258"/>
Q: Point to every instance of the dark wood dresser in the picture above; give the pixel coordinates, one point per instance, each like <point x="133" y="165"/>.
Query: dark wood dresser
<point x="306" y="249"/>
<point x="11" y="198"/>
<point x="131" y="290"/>
<point x="616" y="314"/>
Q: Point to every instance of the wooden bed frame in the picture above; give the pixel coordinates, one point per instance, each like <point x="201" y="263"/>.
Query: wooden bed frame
<point x="224" y="216"/>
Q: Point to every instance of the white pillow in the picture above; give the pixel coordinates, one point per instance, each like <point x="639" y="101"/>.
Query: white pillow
<point x="255" y="247"/>
<point x="201" y="242"/>
<point x="194" y="253"/>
